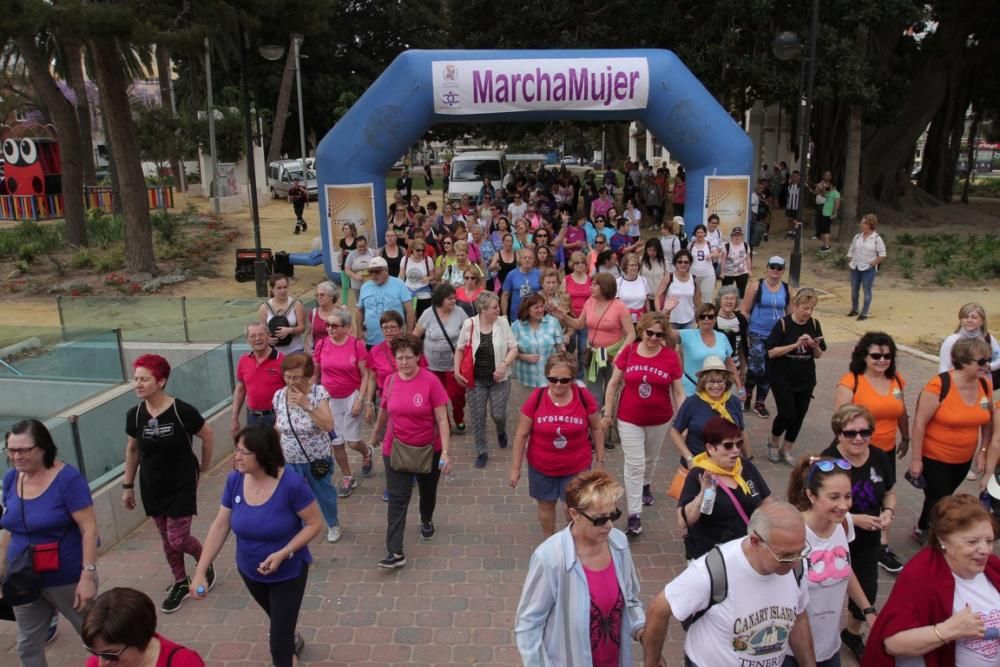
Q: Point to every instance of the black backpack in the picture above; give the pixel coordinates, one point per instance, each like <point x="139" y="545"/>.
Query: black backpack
<point x="279" y="320"/>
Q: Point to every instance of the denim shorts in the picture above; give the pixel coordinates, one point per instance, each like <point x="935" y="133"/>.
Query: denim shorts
<point x="547" y="488"/>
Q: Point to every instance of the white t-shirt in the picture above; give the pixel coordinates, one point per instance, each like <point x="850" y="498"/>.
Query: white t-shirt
<point x="979" y="594"/>
<point x="701" y="256"/>
<point x="634" y="293"/>
<point x="413" y="275"/>
<point x="683" y="313"/>
<point x="751" y="626"/>
<point x="714" y="238"/>
<point x="516" y="211"/>
<point x="828" y="575"/>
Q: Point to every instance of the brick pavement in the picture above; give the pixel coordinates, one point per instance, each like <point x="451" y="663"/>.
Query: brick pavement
<point x="455" y="601"/>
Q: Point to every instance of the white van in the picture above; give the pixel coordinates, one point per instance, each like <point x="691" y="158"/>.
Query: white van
<point x="469" y="169"/>
<point x="283" y="173"/>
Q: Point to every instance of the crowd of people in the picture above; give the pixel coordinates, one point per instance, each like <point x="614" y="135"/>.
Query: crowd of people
<point x="604" y="340"/>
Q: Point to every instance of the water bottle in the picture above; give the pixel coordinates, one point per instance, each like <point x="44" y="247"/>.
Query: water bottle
<point x="201" y="590"/>
<point x="708" y="499"/>
<point x="450" y="477"/>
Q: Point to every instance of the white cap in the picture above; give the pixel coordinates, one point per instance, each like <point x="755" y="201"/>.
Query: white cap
<point x="776" y="259"/>
<point x="378" y="263"/>
<point x="679" y="220"/>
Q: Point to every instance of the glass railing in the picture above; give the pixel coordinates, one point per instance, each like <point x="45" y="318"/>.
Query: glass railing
<point x="90" y="357"/>
<point x="62" y="434"/>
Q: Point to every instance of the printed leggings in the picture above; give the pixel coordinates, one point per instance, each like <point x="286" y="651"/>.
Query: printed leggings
<point x="175" y="532"/>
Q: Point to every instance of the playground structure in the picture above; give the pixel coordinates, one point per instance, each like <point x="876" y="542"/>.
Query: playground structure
<point x="421" y="88"/>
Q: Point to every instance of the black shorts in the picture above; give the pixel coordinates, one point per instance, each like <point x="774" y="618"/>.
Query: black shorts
<point x="791" y="214"/>
<point x="822" y="225"/>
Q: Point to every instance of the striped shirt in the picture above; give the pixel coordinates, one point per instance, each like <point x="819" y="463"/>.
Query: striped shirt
<point x="793" y="197"/>
<point x="542" y="342"/>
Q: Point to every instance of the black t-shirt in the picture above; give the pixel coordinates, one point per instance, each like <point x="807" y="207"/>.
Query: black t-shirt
<point x="724" y="523"/>
<point x="168" y="468"/>
<point x="869" y="484"/>
<point x="797" y="369"/>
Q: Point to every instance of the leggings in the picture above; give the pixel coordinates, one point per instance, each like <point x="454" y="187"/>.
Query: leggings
<point x="757" y="369"/>
<point x="792" y="408"/>
<point x="281" y="601"/>
<point x="495" y="394"/>
<point x="942" y="480"/>
<point x="175" y="532"/>
<point x="740" y="281"/>
<point x="864" y="561"/>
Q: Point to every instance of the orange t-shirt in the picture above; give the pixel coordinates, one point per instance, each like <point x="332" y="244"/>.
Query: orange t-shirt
<point x="885" y="408"/>
<point x="952" y="434"/>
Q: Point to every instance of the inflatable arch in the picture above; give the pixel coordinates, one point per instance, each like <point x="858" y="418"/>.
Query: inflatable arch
<point x="421" y="88"/>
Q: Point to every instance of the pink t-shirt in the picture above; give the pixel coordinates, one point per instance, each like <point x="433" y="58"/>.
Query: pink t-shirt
<point x="645" y="399"/>
<point x="341" y="373"/>
<point x="318" y="326"/>
<point x="182" y="657"/>
<point x="410" y="404"/>
<point x="605" y="329"/>
<point x="558" y="445"/>
<point x="575" y="235"/>
<point x="607" y="605"/>
<point x="382" y="362"/>
<point x="578" y="294"/>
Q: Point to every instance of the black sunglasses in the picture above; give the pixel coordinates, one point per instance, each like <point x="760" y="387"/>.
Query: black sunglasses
<point x="730" y="445"/>
<point x="555" y="380"/>
<point x="707" y="316"/>
<point x="879" y="356"/>
<point x="852" y="434"/>
<point x="983" y="361"/>
<point x="108" y="656"/>
<point x="776" y="267"/>
<point x="603" y="519"/>
<point x="655" y="334"/>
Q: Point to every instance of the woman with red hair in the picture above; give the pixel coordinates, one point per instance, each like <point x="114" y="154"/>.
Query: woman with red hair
<point x="161" y="431"/>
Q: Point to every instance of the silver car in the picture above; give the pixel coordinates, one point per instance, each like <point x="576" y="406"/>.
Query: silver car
<point x="283" y="173"/>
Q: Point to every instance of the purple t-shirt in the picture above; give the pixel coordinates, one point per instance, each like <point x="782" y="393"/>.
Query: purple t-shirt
<point x="263" y="529"/>
<point x="49" y="519"/>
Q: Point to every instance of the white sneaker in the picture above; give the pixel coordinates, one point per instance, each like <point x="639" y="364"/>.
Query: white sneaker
<point x="333" y="533"/>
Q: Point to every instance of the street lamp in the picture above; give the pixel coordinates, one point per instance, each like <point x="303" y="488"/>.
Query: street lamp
<point x="788" y="46"/>
<point x="259" y="266"/>
<point x="274" y="52"/>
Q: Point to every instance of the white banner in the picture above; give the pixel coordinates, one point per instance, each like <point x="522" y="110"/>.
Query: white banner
<point x="465" y="87"/>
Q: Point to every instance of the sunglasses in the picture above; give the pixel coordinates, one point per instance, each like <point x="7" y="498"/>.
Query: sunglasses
<point x="776" y="267"/>
<point x="681" y="262"/>
<point x="852" y="434"/>
<point x="730" y="445"/>
<point x="827" y="465"/>
<point x="983" y="361"/>
<point x="331" y="325"/>
<point x="707" y="316"/>
<point x="603" y="519"/>
<point x="555" y="380"/>
<point x="469" y="277"/>
<point x="598" y="242"/>
<point x="107" y="656"/>
<point x="879" y="356"/>
<point x="655" y="334"/>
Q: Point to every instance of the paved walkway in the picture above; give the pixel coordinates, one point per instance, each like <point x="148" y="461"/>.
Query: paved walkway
<point x="454" y="603"/>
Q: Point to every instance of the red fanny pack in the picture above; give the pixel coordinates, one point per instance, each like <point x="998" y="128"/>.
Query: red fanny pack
<point x="45" y="557"/>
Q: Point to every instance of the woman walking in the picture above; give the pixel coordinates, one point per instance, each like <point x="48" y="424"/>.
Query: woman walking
<point x="161" y="432"/>
<point x="440" y="327"/>
<point x="489" y="339"/>
<point x="735" y="326"/>
<point x="736" y="262"/>
<point x="327" y="296"/>
<point x="702" y="267"/>
<point x="793" y="347"/>
<point x="678" y="293"/>
<point x="356" y="265"/>
<point x="418" y="275"/>
<point x="649" y="375"/>
<point x="696" y="345"/>
<point x="972" y="324"/>
<point x="577" y="284"/>
<point x="713" y="398"/>
<point x="653" y="267"/>
<point x="764" y="304"/>
<point x="867" y="251"/>
<point x="392" y="252"/>
<point x="274" y="516"/>
<point x="557" y="424"/>
<point x="414" y="414"/>
<point x="348" y="242"/>
<point x="873" y="476"/>
<point x="304" y="421"/>
<point x="504" y="261"/>
<point x="284" y="316"/>
<point x="633" y="289"/>
<point x="538" y="336"/>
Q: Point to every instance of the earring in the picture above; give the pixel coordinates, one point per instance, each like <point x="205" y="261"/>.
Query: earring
<point x="943" y="548"/>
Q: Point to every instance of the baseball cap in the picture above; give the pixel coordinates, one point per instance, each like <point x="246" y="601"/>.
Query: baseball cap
<point x="378" y="263"/>
<point x="736" y="230"/>
<point x="679" y="220"/>
<point x="775" y="259"/>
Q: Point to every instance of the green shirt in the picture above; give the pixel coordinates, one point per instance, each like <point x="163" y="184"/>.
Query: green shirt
<point x="830" y="205"/>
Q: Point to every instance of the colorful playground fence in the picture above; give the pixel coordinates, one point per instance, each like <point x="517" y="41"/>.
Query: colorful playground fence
<point x="47" y="207"/>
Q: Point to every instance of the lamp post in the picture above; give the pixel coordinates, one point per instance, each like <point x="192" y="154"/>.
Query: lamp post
<point x="214" y="185"/>
<point x="259" y="266"/>
<point x="788" y="46"/>
<point x="273" y="52"/>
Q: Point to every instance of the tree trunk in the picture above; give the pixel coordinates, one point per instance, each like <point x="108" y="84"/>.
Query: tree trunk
<point x="64" y="118"/>
<point x="112" y="84"/>
<point x="971" y="159"/>
<point x="73" y="57"/>
<point x="281" y="109"/>
<point x="163" y="70"/>
<point x="849" y="213"/>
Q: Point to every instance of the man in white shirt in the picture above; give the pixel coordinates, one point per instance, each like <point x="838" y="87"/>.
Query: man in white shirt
<point x="764" y="609"/>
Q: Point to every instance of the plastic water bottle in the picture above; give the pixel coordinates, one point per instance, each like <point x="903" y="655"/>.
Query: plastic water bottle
<point x="708" y="499"/>
<point x="450" y="477"/>
<point x="201" y="590"/>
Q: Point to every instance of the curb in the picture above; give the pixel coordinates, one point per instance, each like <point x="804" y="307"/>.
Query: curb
<point x="916" y="353"/>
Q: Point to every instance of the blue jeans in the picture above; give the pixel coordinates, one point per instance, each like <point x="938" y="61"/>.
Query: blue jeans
<point x="581" y="348"/>
<point x="323" y="489"/>
<point x="254" y="420"/>
<point x="862" y="279"/>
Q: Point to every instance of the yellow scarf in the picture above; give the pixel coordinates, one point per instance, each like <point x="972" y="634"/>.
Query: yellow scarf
<point x="704" y="462"/>
<point x="719" y="405"/>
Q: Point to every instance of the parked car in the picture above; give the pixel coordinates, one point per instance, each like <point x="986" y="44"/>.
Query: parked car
<point x="571" y="160"/>
<point x="283" y="173"/>
<point x="469" y="169"/>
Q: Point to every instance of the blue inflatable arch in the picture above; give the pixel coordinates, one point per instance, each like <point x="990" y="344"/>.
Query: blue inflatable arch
<point x="421" y="88"/>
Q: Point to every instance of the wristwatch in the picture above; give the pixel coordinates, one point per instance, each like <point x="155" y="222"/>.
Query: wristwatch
<point x="90" y="567"/>
<point x="869" y="610"/>
<point x="128" y="487"/>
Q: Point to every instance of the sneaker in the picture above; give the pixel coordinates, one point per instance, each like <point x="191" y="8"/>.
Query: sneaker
<point x="634" y="525"/>
<point x="789" y="235"/>
<point x="826" y="248"/>
<point x="502" y="440"/>
<point x="854" y="643"/>
<point x="297" y="230"/>
<point x="460" y="428"/>
<point x="647" y="495"/>
<point x="427" y="530"/>
<point x="300" y="644"/>
<point x="385" y="496"/>
<point x="888" y="560"/>
<point x="853" y="313"/>
<point x="481" y="460"/>
<point x="788" y="458"/>
<point x="175" y="598"/>
<point x="210" y="577"/>
<point x="773" y="453"/>
<point x="305" y="225"/>
<point x="392" y="561"/>
<point x="53" y="629"/>
<point x="366" y="464"/>
<point x="347" y="485"/>
<point x="333" y="533"/>
<point x="760" y="410"/>
<point x="920" y="536"/>
<point x="862" y="317"/>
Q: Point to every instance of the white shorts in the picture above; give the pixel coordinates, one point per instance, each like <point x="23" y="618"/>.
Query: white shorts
<point x="347" y="428"/>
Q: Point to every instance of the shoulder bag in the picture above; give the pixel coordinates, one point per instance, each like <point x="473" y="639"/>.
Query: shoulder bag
<point x="23" y="583"/>
<point x="414" y="459"/>
<point x="443" y="330"/>
<point x="467" y="368"/>
<point x="318" y="468"/>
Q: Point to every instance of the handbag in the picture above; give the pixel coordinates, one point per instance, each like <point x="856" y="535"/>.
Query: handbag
<point x="468" y="358"/>
<point x="318" y="468"/>
<point x="677" y="483"/>
<point x="414" y="459"/>
<point x="23" y="584"/>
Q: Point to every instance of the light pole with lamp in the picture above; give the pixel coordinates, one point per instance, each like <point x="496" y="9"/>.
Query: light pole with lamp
<point x="788" y="46"/>
<point x="274" y="52"/>
<point x="259" y="265"/>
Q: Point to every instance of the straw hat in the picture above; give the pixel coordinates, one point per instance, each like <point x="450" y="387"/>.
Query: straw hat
<point x="713" y="363"/>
